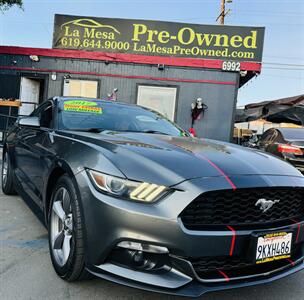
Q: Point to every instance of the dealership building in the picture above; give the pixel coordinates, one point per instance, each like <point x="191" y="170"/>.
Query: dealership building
<point x="160" y="65"/>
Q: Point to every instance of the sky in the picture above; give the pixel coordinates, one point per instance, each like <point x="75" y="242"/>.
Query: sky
<point x="283" y="56"/>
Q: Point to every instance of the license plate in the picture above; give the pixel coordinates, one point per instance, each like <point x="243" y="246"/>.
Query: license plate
<point x="273" y="246"/>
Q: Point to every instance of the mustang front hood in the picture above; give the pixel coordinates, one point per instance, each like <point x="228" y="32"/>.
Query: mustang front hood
<point x="169" y="160"/>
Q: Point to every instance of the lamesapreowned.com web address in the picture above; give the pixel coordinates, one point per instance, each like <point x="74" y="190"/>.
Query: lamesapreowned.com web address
<point x="194" y="51"/>
<point x="136" y="47"/>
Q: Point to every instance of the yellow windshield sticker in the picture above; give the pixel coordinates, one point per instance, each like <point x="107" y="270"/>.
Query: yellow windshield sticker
<point x="82" y="108"/>
<point x="80" y="102"/>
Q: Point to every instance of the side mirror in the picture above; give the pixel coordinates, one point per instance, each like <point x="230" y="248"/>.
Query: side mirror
<point x="29" y="122"/>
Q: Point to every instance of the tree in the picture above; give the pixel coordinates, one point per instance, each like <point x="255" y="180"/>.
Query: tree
<point x="6" y="4"/>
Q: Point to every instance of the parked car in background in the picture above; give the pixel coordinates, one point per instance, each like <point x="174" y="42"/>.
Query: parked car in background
<point x="287" y="143"/>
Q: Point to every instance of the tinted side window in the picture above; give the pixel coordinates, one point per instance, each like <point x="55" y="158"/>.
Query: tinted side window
<point x="272" y="136"/>
<point x="45" y="114"/>
<point x="46" y="117"/>
<point x="37" y="111"/>
<point x="266" y="136"/>
<point x="279" y="137"/>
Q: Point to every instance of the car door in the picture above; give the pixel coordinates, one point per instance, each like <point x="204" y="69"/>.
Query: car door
<point x="30" y="152"/>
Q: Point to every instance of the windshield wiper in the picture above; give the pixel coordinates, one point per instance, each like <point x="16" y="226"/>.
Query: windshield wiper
<point x="154" y="131"/>
<point x="145" y="131"/>
<point x="96" y="130"/>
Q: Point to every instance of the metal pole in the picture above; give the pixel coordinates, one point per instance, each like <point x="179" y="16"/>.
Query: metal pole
<point x="222" y="13"/>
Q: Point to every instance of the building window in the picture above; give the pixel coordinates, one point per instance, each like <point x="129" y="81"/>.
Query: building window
<point x="80" y="88"/>
<point x="158" y="98"/>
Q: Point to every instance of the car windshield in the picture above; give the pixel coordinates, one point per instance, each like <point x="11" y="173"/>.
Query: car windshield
<point x="99" y="115"/>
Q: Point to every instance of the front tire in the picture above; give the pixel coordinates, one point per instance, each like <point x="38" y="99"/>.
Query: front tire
<point x="7" y="176"/>
<point x="66" y="239"/>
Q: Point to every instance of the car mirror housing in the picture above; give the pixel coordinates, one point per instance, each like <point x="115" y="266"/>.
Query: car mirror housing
<point x="29" y="122"/>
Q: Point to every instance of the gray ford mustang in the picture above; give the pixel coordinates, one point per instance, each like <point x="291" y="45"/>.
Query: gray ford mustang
<point x="129" y="196"/>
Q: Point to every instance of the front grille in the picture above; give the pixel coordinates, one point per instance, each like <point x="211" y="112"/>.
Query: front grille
<point x="238" y="266"/>
<point x="223" y="263"/>
<point x="237" y="208"/>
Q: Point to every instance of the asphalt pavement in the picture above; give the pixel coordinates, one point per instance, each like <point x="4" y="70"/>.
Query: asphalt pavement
<point x="26" y="271"/>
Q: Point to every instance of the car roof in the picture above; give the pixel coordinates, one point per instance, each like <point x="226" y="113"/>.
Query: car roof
<point x="289" y="130"/>
<point x="292" y="133"/>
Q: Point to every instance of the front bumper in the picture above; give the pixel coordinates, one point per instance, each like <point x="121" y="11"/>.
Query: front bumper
<point x="108" y="221"/>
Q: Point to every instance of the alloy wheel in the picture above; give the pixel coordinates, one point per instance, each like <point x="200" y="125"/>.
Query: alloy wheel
<point x="61" y="226"/>
<point x="4" y="169"/>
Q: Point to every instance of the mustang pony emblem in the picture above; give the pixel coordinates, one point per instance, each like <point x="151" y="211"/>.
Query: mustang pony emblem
<point x="265" y="205"/>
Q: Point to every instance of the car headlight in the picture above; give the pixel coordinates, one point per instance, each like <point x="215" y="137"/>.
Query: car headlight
<point x="123" y="188"/>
